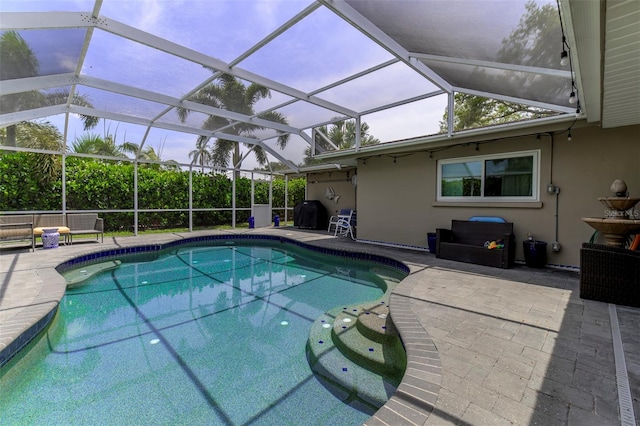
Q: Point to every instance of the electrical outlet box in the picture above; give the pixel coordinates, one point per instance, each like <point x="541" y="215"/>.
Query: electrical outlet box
<point x="555" y="246"/>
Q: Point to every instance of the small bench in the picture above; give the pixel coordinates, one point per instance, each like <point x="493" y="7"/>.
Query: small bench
<point x="85" y="223"/>
<point x="45" y="221"/>
<point x="18" y="227"/>
<point x="465" y="242"/>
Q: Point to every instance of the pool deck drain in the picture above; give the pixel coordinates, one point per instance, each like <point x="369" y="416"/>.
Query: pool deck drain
<point x="484" y="345"/>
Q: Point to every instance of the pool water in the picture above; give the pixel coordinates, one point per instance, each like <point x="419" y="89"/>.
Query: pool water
<point x="199" y="335"/>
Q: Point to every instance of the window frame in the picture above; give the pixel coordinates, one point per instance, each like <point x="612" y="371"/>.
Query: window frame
<point x="535" y="178"/>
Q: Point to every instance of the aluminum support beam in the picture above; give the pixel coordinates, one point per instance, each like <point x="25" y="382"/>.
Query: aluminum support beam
<point x="349" y="14"/>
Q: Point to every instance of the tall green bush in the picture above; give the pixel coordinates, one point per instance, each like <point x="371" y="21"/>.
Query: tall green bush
<point x="109" y="185"/>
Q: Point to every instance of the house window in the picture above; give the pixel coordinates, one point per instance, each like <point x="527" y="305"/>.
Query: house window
<point x="504" y="177"/>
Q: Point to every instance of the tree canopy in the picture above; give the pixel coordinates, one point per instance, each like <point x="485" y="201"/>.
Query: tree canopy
<point x="229" y="93"/>
<point x="341" y="135"/>
<point x="537" y="33"/>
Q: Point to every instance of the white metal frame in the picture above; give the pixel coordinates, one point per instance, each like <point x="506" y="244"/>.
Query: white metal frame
<point x="94" y="21"/>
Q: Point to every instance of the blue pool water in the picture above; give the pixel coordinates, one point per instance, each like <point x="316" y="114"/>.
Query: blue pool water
<point x="198" y="335"/>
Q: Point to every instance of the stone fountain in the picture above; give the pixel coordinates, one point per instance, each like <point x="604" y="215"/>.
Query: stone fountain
<point x="620" y="218"/>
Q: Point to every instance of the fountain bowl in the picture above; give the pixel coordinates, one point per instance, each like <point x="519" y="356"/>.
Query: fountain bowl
<point x="614" y="230"/>
<point x="619" y="203"/>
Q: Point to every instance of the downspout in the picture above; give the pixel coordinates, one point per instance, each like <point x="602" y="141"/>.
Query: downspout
<point x="552" y="189"/>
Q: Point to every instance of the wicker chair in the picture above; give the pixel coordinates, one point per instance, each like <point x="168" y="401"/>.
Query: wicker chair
<point x="610" y="274"/>
<point x="85" y="223"/>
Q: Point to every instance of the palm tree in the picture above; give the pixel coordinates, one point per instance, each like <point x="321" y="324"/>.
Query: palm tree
<point x="343" y="135"/>
<point x="97" y="145"/>
<point x="227" y="92"/>
<point x="201" y="155"/>
<point x="148" y="154"/>
<point x="19" y="61"/>
<point x="40" y="135"/>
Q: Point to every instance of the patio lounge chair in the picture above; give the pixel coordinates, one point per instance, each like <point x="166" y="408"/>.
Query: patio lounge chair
<point x="344" y="214"/>
<point x="85" y="223"/>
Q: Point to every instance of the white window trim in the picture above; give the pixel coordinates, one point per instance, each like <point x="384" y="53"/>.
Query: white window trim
<point x="535" y="178"/>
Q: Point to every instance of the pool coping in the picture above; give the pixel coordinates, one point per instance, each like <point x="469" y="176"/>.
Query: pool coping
<point x="414" y="398"/>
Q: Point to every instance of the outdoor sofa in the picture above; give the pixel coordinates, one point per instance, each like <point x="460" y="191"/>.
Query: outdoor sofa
<point x="466" y="242"/>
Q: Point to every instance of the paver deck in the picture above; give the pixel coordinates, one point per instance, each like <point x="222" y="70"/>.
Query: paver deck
<point x="484" y="345"/>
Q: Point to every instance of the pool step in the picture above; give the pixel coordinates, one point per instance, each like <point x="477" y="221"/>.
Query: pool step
<point x="77" y="277"/>
<point x="365" y="336"/>
<point x="342" y="357"/>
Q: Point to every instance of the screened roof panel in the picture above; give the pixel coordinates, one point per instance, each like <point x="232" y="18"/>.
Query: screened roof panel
<point x="295" y="148"/>
<point x="304" y="115"/>
<point x="26" y="101"/>
<point x="231" y="97"/>
<point x="45" y="6"/>
<point x="169" y="145"/>
<point x="506" y="31"/>
<point x="266" y="135"/>
<point x="404" y="121"/>
<point x="275" y="99"/>
<point x="315" y="52"/>
<point x="56" y="52"/>
<point x="194" y="119"/>
<point x="216" y="28"/>
<point x="390" y="84"/>
<point x="110" y="55"/>
<point x="121" y="104"/>
<point x="550" y="89"/>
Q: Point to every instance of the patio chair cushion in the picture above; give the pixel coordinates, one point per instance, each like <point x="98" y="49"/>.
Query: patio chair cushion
<point x="61" y="230"/>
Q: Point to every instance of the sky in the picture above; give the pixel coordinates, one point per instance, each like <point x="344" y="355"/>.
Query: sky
<point x="311" y="54"/>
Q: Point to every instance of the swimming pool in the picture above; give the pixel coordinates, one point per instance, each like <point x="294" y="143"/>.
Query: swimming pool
<point x="192" y="335"/>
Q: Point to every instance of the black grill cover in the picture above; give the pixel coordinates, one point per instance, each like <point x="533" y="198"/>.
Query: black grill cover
<point x="310" y="214"/>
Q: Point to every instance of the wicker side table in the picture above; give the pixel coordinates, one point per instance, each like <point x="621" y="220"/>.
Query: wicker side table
<point x="610" y="274"/>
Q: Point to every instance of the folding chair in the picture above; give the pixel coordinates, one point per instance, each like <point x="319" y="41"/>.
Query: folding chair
<point x="345" y="226"/>
<point x="344" y="214"/>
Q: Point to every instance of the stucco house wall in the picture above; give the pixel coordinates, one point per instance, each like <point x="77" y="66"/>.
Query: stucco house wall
<point x="396" y="194"/>
<point x="341" y="181"/>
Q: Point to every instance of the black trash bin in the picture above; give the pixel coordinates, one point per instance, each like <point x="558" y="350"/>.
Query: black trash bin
<point x="535" y="253"/>
<point x="431" y="242"/>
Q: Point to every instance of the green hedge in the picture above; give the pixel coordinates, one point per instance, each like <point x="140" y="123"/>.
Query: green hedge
<point x="109" y="185"/>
